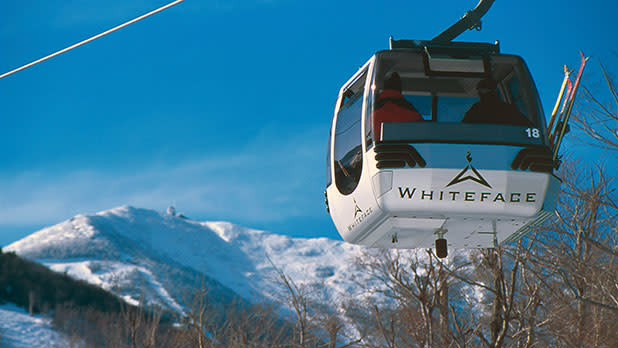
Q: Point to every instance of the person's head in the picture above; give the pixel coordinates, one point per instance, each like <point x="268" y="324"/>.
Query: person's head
<point x="393" y="81"/>
<point x="486" y="87"/>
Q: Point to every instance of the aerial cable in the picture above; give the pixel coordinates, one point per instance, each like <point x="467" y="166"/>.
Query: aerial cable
<point x="92" y="38"/>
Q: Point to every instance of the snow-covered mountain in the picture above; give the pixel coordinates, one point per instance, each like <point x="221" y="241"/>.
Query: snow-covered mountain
<point x="144" y="254"/>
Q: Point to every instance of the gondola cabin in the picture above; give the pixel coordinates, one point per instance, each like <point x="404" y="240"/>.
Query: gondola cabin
<point x="439" y="142"/>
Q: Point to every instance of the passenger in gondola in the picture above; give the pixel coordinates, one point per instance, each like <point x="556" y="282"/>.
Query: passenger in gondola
<point x="491" y="109"/>
<point x="391" y="106"/>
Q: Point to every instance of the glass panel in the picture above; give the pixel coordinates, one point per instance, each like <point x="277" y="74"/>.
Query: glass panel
<point x="368" y="127"/>
<point x="348" y="158"/>
<point x="515" y="94"/>
<point x="453" y="109"/>
<point x="456" y="65"/>
<point x="505" y="96"/>
<point x="422" y="104"/>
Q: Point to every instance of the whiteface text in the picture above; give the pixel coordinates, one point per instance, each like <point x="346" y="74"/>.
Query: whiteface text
<point x="360" y="218"/>
<point x="467" y="196"/>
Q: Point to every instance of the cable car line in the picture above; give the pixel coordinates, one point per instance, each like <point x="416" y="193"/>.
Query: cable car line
<point x="91" y="38"/>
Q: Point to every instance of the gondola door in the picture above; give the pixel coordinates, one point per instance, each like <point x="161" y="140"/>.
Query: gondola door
<point x="353" y="207"/>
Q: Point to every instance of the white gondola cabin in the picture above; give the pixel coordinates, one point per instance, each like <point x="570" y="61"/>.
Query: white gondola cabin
<point x="445" y="177"/>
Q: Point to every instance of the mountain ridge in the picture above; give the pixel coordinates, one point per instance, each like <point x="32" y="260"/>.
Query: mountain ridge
<point x="125" y="248"/>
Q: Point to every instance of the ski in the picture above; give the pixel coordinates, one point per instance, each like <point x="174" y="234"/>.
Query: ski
<point x="563" y="121"/>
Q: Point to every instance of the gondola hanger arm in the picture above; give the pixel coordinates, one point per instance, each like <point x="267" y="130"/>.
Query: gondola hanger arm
<point x="470" y="20"/>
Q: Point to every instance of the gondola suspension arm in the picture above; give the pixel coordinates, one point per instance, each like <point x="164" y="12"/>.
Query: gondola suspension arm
<point x="471" y="20"/>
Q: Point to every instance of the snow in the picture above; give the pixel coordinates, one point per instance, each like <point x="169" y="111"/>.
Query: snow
<point x="20" y="330"/>
<point x="115" y="248"/>
<point x="109" y="275"/>
<point x="143" y="255"/>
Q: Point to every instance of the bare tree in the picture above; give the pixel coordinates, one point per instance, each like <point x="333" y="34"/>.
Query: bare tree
<point x="574" y="260"/>
<point x="499" y="285"/>
<point x="529" y="312"/>
<point x="419" y="284"/>
<point x="299" y="303"/>
<point x="577" y="257"/>
<point x="318" y="320"/>
<point x="238" y="324"/>
<point x="141" y="325"/>
<point x="598" y="115"/>
<point x="197" y="320"/>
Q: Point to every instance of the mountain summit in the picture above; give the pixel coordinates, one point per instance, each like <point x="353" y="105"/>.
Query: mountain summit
<point x="163" y="257"/>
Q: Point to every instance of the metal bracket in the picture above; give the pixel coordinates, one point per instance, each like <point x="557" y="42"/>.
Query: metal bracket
<point x="440" y="232"/>
<point x="492" y="233"/>
<point x="470" y="20"/>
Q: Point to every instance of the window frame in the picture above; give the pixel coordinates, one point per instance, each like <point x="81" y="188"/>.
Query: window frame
<point x="359" y="82"/>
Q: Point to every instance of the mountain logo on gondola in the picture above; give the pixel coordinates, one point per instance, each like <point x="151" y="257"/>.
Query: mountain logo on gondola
<point x="359" y="216"/>
<point x="357" y="209"/>
<point x="476" y="177"/>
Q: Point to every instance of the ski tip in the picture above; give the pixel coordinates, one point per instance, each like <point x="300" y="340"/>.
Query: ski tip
<point x="567" y="72"/>
<point x="584" y="58"/>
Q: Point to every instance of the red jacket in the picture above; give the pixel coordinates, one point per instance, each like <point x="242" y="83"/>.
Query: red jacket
<point x="391" y="106"/>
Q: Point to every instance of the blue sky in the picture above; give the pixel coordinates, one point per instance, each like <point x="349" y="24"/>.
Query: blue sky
<point x="221" y="108"/>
